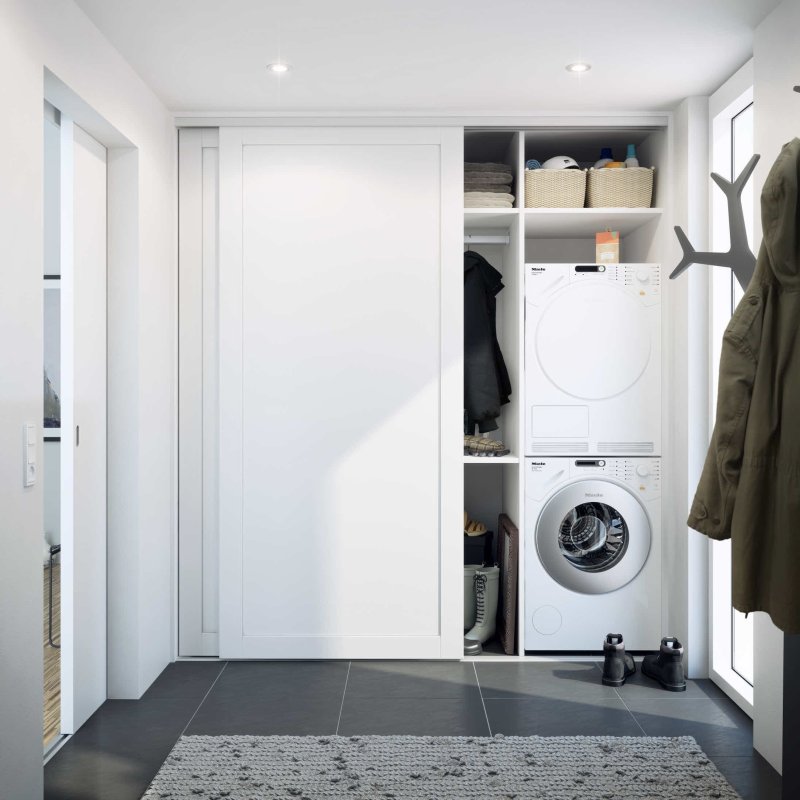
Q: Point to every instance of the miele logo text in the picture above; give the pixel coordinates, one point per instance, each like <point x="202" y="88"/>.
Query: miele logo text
<point x="538" y="464"/>
<point x="593" y="494"/>
<point x="537" y="269"/>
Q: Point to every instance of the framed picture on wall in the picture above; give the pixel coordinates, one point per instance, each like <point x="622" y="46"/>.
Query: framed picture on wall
<point x="508" y="561"/>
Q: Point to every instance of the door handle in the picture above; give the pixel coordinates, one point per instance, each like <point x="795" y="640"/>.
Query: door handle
<point x="77" y="435"/>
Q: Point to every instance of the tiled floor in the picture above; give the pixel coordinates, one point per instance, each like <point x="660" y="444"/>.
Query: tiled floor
<point x="119" y="750"/>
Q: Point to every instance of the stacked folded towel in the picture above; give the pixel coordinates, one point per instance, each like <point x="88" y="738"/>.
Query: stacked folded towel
<point x="488" y="185"/>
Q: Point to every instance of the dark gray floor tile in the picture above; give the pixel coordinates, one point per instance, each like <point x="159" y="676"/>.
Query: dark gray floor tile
<point x="640" y="687"/>
<point x="190" y="679"/>
<point x="254" y="679"/>
<point x="413" y="717"/>
<point x="554" y="717"/>
<point x="118" y="750"/>
<point x="519" y="680"/>
<point x="412" y="679"/>
<point x="751" y="776"/>
<point x="719" y="726"/>
<point x="267" y="714"/>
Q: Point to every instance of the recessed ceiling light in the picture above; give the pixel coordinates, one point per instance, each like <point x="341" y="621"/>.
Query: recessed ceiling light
<point x="278" y="68"/>
<point x="578" y="66"/>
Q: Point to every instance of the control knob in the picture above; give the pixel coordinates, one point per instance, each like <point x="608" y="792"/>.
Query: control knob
<point x="642" y="471"/>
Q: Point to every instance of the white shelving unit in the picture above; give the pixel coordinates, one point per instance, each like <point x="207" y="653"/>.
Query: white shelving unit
<point x="555" y="235"/>
<point x="581" y="223"/>
<point x="489" y="219"/>
<point x="509" y="459"/>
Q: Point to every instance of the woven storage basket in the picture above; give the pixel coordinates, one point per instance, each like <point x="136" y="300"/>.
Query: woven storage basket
<point x="555" y="188"/>
<point x="620" y="188"/>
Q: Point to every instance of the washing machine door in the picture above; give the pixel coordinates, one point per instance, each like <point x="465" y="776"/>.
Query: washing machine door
<point x="593" y="536"/>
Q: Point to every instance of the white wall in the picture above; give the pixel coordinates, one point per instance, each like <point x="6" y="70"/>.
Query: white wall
<point x="54" y="34"/>
<point x="686" y="551"/>
<point x="776" y="59"/>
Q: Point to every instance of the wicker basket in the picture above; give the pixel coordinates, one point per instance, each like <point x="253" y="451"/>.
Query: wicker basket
<point x="555" y="188"/>
<point x="620" y="188"/>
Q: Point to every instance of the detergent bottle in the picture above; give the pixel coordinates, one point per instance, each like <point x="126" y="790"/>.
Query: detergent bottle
<point x="605" y="158"/>
<point x="630" y="158"/>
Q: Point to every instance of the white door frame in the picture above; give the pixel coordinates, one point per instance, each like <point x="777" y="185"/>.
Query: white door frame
<point x="123" y="674"/>
<point x="725" y="104"/>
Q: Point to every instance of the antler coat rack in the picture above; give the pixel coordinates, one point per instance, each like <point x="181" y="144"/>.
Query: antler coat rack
<point x="739" y="257"/>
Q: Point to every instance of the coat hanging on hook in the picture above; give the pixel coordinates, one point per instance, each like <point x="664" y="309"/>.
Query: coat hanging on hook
<point x="748" y="490"/>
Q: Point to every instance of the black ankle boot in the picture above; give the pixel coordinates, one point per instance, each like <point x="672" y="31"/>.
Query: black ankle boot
<point x="618" y="666"/>
<point x="667" y="666"/>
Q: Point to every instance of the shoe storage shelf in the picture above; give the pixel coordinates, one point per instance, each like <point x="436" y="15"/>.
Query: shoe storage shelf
<point x="546" y="235"/>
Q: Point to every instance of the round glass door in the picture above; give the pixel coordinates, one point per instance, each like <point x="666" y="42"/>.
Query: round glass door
<point x="593" y="536"/>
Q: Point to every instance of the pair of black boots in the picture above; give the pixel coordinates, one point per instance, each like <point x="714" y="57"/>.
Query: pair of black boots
<point x="666" y="666"/>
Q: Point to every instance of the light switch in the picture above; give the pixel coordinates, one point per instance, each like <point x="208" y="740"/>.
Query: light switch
<point x="29" y="454"/>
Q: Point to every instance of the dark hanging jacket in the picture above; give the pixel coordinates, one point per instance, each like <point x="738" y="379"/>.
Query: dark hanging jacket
<point x="486" y="383"/>
<point x="749" y="490"/>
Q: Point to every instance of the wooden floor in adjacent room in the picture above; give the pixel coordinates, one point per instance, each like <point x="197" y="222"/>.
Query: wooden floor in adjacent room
<point x="52" y="658"/>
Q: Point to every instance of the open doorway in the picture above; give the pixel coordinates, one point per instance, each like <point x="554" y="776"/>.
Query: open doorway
<point x="51" y="488"/>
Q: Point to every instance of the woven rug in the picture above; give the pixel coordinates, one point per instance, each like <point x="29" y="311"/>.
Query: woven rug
<point x="437" y="768"/>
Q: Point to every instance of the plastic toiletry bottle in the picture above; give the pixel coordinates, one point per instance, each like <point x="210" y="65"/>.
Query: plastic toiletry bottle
<point x="605" y="158"/>
<point x="630" y="158"/>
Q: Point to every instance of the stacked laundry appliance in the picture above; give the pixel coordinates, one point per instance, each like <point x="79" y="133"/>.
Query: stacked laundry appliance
<point x="488" y="185"/>
<point x="593" y="446"/>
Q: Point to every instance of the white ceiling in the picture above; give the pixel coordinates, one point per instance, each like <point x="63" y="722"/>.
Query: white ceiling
<point x="437" y="56"/>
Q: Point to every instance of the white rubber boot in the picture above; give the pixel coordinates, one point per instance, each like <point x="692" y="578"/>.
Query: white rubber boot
<point x="487" y="591"/>
<point x="470" y="603"/>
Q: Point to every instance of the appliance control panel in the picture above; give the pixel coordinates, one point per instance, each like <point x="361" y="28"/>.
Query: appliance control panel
<point x="643" y="280"/>
<point x="643" y="475"/>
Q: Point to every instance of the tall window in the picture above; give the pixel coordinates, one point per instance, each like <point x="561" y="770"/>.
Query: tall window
<point x="731" y="631"/>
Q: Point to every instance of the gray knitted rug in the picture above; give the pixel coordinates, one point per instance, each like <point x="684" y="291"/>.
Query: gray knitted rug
<point x="437" y="768"/>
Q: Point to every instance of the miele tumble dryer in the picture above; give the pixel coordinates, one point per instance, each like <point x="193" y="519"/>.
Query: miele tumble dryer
<point x="593" y="359"/>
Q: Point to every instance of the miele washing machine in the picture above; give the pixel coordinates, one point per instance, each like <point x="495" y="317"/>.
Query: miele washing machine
<point x="592" y="553"/>
<point x="593" y="359"/>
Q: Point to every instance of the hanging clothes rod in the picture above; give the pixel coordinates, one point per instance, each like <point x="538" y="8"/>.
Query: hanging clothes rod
<point x="471" y="238"/>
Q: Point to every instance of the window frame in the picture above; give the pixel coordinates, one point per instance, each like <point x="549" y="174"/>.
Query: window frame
<point x="723" y="296"/>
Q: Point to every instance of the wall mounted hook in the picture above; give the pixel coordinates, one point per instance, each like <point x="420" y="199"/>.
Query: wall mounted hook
<point x="739" y="257"/>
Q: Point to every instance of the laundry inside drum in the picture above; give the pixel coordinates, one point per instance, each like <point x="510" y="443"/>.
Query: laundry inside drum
<point x="593" y="537"/>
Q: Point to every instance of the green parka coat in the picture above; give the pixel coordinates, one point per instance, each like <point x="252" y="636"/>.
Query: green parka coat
<point x="749" y="490"/>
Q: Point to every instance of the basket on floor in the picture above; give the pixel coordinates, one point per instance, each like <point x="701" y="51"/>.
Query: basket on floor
<point x="620" y="188"/>
<point x="555" y="188"/>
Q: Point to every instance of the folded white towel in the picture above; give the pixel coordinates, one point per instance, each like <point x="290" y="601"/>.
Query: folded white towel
<point x="489" y="196"/>
<point x="487" y="203"/>
<point x="500" y="188"/>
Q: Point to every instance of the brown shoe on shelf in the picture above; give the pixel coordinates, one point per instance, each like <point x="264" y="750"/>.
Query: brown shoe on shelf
<point x="481" y="446"/>
<point x="472" y="528"/>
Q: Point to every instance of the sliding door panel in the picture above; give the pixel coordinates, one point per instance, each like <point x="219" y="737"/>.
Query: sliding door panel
<point x="83" y="432"/>
<point x="330" y="377"/>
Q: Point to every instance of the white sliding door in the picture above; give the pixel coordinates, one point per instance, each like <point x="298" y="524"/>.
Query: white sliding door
<point x="83" y="425"/>
<point x="340" y="294"/>
<point x="198" y="415"/>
